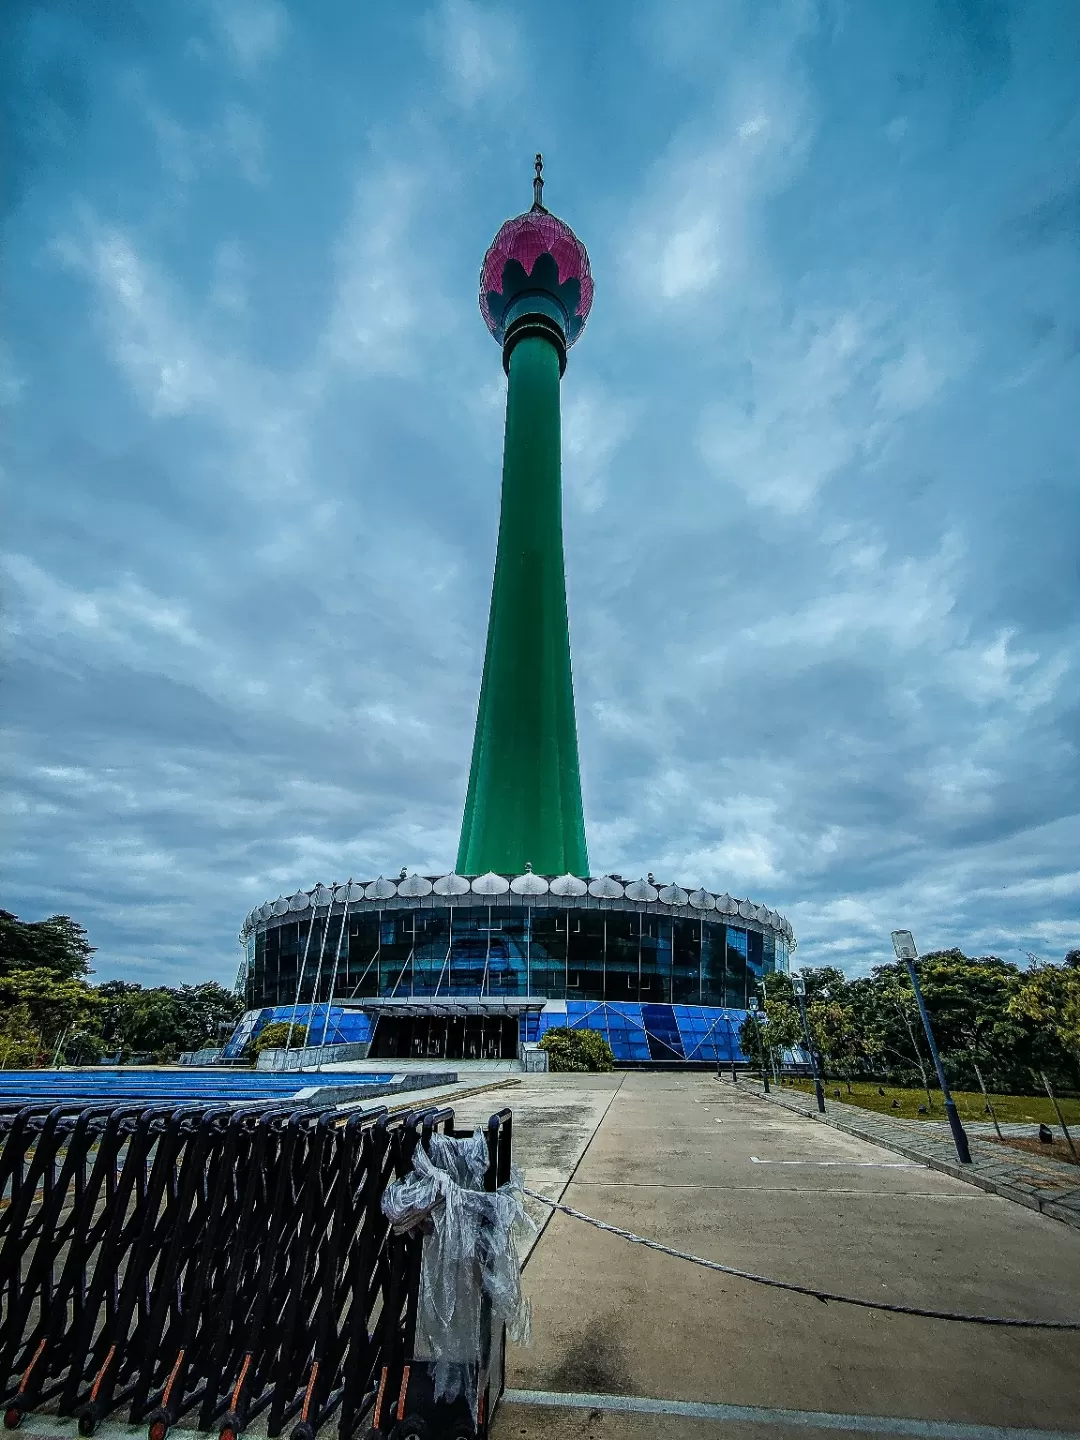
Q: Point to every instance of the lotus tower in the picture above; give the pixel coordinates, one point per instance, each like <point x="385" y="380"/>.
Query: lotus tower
<point x="523" y="806"/>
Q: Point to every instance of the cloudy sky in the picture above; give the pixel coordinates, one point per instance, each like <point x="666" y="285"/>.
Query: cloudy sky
<point x="820" y="448"/>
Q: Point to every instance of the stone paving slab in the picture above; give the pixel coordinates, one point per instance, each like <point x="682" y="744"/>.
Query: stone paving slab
<point x="1050" y="1186"/>
<point x="712" y="1170"/>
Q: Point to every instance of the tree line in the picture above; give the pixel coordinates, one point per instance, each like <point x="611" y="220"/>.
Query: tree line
<point x="990" y="1016"/>
<point x="51" y="1011"/>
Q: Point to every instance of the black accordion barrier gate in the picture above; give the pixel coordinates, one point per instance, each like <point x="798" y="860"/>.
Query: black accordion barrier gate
<point x="209" y="1263"/>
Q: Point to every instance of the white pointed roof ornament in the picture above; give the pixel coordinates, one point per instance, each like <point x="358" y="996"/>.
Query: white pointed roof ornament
<point x="380" y="889"/>
<point x="280" y="906"/>
<point x="452" y="884"/>
<point x="490" y="884"/>
<point x="322" y="895"/>
<point x="299" y="901"/>
<point x="265" y="910"/>
<point x="745" y="909"/>
<point x="606" y="887"/>
<point x="641" y="890"/>
<point x="673" y="895"/>
<point x="569" y="886"/>
<point x="414" y="885"/>
<point x="529" y="884"/>
<point x="702" y="900"/>
<point x="725" y="904"/>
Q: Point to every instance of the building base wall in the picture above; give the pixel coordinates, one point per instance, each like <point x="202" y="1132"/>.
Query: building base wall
<point x="638" y="1033"/>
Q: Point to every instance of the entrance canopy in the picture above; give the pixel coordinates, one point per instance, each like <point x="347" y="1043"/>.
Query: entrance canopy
<point x="452" y="1007"/>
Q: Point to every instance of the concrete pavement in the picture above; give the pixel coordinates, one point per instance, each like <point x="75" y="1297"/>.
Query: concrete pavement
<point x="555" y="1118"/>
<point x="691" y="1162"/>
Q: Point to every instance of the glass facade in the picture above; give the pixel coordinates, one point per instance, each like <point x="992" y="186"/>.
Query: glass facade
<point x="617" y="954"/>
<point x="644" y="1034"/>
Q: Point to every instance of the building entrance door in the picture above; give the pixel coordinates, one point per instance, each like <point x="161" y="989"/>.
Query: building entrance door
<point x="434" y="1037"/>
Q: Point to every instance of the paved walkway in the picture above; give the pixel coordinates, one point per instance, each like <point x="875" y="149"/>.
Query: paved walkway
<point x="630" y="1344"/>
<point x="1041" y="1183"/>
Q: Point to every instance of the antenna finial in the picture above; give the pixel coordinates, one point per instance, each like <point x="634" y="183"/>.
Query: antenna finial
<point x="538" y="183"/>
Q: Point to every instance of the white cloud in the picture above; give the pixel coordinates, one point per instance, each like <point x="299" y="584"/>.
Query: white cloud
<point x="595" y="425"/>
<point x="179" y="149"/>
<point x="229" y="290"/>
<point x="904" y="602"/>
<point x="378" y="303"/>
<point x="12" y="383"/>
<point x="911" y="381"/>
<point x="824" y="391"/>
<point x="699" y="229"/>
<point x="177" y="369"/>
<point x="800" y="421"/>
<point x="234" y="140"/>
<point x="240" y="135"/>
<point x="126" y="613"/>
<point x="252" y="30"/>
<point x="476" y="48"/>
<point x="896" y="129"/>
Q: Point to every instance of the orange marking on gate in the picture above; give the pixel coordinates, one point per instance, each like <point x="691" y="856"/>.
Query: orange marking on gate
<point x="101" y="1373"/>
<point x="308" y="1391"/>
<point x="172" y="1378"/>
<point x="37" y="1356"/>
<point x="379" y="1397"/>
<point x="240" y="1383"/>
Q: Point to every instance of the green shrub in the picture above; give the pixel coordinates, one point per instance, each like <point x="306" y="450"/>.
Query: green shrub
<point x="577" y="1049"/>
<point x="275" y="1036"/>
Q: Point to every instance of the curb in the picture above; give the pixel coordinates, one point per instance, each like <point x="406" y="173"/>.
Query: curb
<point x="464" y="1092"/>
<point x="407" y="1099"/>
<point x="1053" y="1209"/>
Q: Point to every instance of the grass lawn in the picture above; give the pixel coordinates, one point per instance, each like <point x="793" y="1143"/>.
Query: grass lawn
<point x="1012" y="1109"/>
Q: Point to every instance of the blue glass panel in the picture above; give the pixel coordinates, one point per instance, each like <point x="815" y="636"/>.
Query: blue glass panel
<point x="663" y="1033"/>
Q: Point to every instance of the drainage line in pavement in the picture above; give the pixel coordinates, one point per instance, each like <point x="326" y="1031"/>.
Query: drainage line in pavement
<point x="1006" y="1321"/>
<point x="570" y="1178"/>
<point x="771" y="1415"/>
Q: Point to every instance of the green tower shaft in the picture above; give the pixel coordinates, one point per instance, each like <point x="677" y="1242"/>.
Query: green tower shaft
<point x="524" y="799"/>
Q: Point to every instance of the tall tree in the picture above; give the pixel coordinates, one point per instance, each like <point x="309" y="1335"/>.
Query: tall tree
<point x="57" y="1005"/>
<point x="1047" y="1003"/>
<point x="57" y="944"/>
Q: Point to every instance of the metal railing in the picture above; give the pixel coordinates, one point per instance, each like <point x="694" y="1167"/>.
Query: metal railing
<point x="211" y="1262"/>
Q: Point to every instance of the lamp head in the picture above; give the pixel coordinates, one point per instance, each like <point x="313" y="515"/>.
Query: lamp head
<point x="798" y="984"/>
<point x="753" y="1003"/>
<point x="903" y="944"/>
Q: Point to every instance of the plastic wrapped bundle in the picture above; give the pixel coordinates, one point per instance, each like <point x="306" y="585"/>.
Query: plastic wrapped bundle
<point x="470" y="1254"/>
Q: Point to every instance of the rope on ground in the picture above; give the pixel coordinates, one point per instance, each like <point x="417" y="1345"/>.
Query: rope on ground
<point x="1008" y="1321"/>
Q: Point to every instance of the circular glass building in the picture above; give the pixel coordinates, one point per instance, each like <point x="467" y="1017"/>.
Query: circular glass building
<point x="453" y="968"/>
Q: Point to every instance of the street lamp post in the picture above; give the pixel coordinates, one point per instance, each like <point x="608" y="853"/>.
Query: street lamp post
<point x="798" y="984"/>
<point x="731" y="1044"/>
<point x="761" y="1043"/>
<point x="904" y="946"/>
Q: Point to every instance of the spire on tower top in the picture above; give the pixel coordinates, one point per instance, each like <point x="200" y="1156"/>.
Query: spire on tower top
<point x="538" y="183"/>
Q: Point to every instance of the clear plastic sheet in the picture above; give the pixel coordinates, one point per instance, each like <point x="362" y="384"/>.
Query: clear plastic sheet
<point x="470" y="1251"/>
